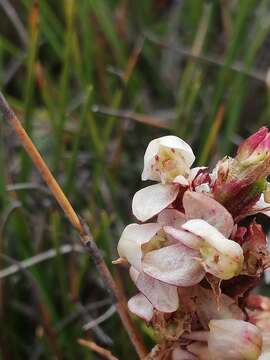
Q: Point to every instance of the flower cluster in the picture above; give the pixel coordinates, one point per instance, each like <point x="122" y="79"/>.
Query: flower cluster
<point x="198" y="251"/>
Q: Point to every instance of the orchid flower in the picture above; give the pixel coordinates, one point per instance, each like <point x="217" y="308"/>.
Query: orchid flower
<point x="196" y="232"/>
<point x="207" y="227"/>
<point x="159" y="264"/>
<point x="167" y="160"/>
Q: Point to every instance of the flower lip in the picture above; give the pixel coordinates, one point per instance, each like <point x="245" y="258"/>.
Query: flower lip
<point x="221" y="257"/>
<point x="213" y="237"/>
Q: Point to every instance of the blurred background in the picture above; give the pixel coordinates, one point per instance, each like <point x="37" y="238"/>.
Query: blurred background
<point x="93" y="81"/>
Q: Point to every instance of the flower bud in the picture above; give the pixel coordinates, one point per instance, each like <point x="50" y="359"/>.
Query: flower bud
<point x="234" y="340"/>
<point x="255" y="148"/>
<point x="239" y="182"/>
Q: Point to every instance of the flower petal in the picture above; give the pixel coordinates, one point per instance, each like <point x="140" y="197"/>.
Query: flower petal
<point x="260" y="207"/>
<point x="180" y="354"/>
<point x="264" y="356"/>
<point x="181" y="180"/>
<point x="141" y="306"/>
<point x="185" y="237"/>
<point x="171" y="217"/>
<point x="174" y="264"/>
<point x="234" y="340"/>
<point x="200" y="349"/>
<point x="221" y="257"/>
<point x="133" y="236"/>
<point x="163" y="297"/>
<point x="209" y="308"/>
<point x="134" y="274"/>
<point x="210" y="234"/>
<point x="201" y="206"/>
<point x="149" y="201"/>
<point x="194" y="172"/>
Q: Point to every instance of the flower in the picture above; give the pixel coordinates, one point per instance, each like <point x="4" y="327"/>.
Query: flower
<point x="158" y="265"/>
<point x="234" y="340"/>
<point x="194" y="261"/>
<point x="167" y="158"/>
<point x="207" y="227"/>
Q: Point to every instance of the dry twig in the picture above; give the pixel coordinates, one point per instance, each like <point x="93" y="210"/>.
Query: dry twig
<point x="98" y="349"/>
<point x="81" y="227"/>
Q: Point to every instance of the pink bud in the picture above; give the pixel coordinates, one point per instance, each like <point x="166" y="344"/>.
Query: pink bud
<point x="239" y="182"/>
<point x="255" y="145"/>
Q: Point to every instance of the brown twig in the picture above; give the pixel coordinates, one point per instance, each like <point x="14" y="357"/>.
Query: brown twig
<point x="83" y="230"/>
<point x="98" y="349"/>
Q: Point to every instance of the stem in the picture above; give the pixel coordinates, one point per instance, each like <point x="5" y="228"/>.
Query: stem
<point x="79" y="225"/>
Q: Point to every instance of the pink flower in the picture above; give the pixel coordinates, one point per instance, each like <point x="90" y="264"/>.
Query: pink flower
<point x="158" y="265"/>
<point x="206" y="229"/>
<point x="254" y="149"/>
<point x="168" y="160"/>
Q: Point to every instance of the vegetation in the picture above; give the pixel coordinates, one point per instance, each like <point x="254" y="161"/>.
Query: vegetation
<point x="93" y="81"/>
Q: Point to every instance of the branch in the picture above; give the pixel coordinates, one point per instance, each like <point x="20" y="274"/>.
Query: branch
<point x="80" y="226"/>
<point x="98" y="349"/>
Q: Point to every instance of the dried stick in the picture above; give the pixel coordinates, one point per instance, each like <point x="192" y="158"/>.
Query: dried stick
<point x="98" y="349"/>
<point x="83" y="230"/>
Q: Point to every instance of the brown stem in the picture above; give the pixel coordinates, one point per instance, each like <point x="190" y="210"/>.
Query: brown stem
<point x="98" y="349"/>
<point x="79" y="225"/>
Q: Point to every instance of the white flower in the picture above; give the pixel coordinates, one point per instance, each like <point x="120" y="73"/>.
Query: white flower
<point x="166" y="158"/>
<point x="150" y="250"/>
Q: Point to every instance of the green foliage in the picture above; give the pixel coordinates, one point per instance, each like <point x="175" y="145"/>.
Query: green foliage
<point x="87" y="81"/>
